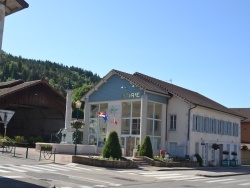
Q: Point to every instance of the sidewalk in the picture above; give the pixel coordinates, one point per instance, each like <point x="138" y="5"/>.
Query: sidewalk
<point x="32" y="154"/>
<point x="207" y="171"/>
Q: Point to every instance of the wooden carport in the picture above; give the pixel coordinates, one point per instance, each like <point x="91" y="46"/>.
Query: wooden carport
<point x="39" y="109"/>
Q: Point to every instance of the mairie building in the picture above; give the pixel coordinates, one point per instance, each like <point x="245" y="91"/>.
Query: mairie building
<point x="179" y="121"/>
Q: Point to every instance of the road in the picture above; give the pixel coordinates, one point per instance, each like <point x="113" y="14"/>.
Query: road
<point x="27" y="173"/>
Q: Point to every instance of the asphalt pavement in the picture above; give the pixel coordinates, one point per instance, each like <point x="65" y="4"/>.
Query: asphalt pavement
<point x="217" y="171"/>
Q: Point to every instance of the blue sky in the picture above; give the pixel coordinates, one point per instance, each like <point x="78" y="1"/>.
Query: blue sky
<point x="202" y="45"/>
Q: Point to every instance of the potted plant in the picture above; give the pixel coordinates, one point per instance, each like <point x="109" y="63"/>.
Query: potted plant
<point x="215" y="146"/>
<point x="233" y="153"/>
<point x="46" y="147"/>
<point x="225" y="161"/>
<point x="212" y="163"/>
<point x="225" y="152"/>
<point x="77" y="124"/>
<point x="244" y="148"/>
<point x="233" y="162"/>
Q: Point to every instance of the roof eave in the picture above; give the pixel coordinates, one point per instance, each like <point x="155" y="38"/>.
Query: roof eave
<point x="242" y="117"/>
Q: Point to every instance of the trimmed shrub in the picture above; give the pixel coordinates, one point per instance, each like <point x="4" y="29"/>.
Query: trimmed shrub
<point x="112" y="148"/>
<point x="79" y="135"/>
<point x="146" y="148"/>
<point x="199" y="159"/>
<point x="19" y="139"/>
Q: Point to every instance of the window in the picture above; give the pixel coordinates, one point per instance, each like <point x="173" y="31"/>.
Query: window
<point x="97" y="126"/>
<point x="196" y="123"/>
<point x="221" y="127"/>
<point x="235" y="148"/>
<point x="235" y="129"/>
<point x="213" y="154"/>
<point x="136" y="126"/>
<point x="228" y="149"/>
<point x="196" y="147"/>
<point x="173" y="148"/>
<point x="206" y="126"/>
<point x="153" y="129"/>
<point x="229" y="128"/>
<point x="214" y="126"/>
<point x="173" y="122"/>
<point x="131" y="118"/>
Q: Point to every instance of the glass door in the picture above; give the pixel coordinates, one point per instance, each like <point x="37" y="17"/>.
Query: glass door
<point x="130" y="143"/>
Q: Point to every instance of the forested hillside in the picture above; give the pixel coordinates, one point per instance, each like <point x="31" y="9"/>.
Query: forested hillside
<point x="57" y="75"/>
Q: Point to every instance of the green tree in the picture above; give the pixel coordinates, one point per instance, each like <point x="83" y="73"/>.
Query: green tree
<point x="79" y="92"/>
<point x="146" y="148"/>
<point x="112" y="147"/>
<point x="199" y="159"/>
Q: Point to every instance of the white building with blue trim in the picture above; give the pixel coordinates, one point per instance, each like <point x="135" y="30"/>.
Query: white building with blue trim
<point x="179" y="121"/>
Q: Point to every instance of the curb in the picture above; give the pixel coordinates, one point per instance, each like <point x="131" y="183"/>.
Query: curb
<point x="225" y="175"/>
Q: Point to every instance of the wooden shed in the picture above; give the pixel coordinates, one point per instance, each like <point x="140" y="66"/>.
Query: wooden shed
<point x="39" y="109"/>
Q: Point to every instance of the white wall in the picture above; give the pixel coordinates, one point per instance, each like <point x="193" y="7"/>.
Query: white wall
<point x="213" y="138"/>
<point x="179" y="108"/>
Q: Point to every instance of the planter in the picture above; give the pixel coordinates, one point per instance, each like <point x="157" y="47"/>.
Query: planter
<point x="225" y="152"/>
<point x="46" y="148"/>
<point x="225" y="163"/>
<point x="234" y="163"/>
<point x="215" y="146"/>
<point x="212" y="163"/>
<point x="104" y="163"/>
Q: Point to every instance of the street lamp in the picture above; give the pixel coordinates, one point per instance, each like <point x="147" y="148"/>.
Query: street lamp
<point x="78" y="106"/>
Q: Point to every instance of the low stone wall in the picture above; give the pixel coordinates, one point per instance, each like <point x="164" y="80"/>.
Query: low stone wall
<point x="176" y="164"/>
<point x="104" y="163"/>
<point x="70" y="148"/>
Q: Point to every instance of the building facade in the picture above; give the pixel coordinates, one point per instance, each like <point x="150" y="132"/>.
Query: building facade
<point x="178" y="121"/>
<point x="245" y="125"/>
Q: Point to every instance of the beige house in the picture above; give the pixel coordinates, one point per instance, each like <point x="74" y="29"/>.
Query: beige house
<point x="179" y="121"/>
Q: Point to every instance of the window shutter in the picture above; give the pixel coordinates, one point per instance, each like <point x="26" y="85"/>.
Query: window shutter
<point x="225" y="127"/>
<point x="210" y="125"/>
<point x="194" y="117"/>
<point x="202" y="124"/>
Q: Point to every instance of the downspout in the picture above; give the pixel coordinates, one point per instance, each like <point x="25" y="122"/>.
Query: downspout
<point x="188" y="135"/>
<point x="189" y="117"/>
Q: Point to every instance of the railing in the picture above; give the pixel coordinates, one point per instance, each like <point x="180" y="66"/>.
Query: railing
<point x="229" y="162"/>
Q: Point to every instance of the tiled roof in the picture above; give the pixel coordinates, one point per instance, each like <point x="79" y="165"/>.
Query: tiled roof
<point x="17" y="85"/>
<point x="158" y="86"/>
<point x="10" y="83"/>
<point x="244" y="112"/>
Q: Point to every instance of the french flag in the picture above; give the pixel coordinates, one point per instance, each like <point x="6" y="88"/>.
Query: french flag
<point x="102" y="114"/>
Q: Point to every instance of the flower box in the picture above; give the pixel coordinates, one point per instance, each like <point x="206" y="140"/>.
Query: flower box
<point x="234" y="162"/>
<point x="215" y="146"/>
<point x="46" y="148"/>
<point x="225" y="162"/>
<point x="234" y="153"/>
<point x="77" y="124"/>
<point x="225" y="152"/>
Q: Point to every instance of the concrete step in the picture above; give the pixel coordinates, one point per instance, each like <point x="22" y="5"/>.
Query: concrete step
<point x="140" y="162"/>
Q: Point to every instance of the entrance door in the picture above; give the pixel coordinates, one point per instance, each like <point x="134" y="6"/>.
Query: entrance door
<point x="130" y="145"/>
<point x="205" y="153"/>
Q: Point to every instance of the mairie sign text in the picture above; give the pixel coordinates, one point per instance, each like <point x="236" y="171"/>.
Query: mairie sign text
<point x="131" y="95"/>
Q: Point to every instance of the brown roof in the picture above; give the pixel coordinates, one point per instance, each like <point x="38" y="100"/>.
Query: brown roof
<point x="158" y="86"/>
<point x="14" y="6"/>
<point x="7" y="88"/>
<point x="244" y="112"/>
<point x="10" y="83"/>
